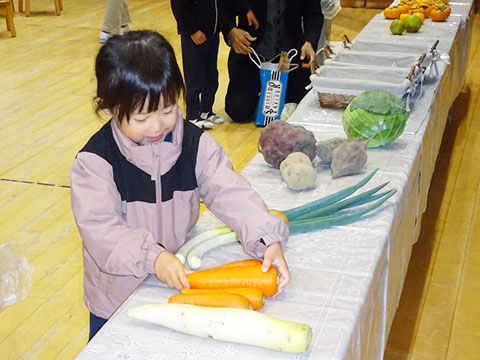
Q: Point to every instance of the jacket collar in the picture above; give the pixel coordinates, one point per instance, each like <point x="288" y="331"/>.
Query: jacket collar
<point x="154" y="159"/>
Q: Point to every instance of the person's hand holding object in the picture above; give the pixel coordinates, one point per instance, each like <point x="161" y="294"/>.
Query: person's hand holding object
<point x="241" y="40"/>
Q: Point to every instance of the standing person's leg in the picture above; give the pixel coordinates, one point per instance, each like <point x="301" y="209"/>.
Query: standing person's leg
<point x="210" y="80"/>
<point x="297" y="80"/>
<point x="243" y="88"/>
<point x="193" y="57"/>
<point x="113" y="16"/>
<point x="125" y="19"/>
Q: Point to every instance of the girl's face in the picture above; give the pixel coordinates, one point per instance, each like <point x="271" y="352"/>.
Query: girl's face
<point x="149" y="127"/>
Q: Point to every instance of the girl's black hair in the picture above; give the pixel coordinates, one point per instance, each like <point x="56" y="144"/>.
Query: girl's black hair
<point x="135" y="68"/>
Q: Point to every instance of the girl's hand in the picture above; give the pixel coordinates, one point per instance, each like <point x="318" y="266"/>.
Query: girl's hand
<point x="273" y="255"/>
<point x="169" y="270"/>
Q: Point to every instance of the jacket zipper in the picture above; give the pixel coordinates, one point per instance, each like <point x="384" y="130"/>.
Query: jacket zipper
<point x="216" y="17"/>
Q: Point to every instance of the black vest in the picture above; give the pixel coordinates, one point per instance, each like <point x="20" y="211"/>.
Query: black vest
<point x="133" y="183"/>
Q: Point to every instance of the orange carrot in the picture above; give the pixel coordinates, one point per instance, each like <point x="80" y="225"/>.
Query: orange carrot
<point x="246" y="276"/>
<point x="254" y="296"/>
<point x="247" y="262"/>
<point x="213" y="300"/>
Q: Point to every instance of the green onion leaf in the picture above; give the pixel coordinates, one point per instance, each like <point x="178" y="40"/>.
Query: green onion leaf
<point x="308" y="225"/>
<point x="293" y="214"/>
<point x="360" y="199"/>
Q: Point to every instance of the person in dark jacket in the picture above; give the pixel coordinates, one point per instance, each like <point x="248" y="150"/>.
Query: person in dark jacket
<point x="279" y="25"/>
<point x="198" y="25"/>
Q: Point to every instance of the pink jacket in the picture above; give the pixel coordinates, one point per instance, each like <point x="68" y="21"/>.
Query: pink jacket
<point x="132" y="202"/>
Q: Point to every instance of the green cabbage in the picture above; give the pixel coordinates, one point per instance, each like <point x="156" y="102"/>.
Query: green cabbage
<point x="375" y="113"/>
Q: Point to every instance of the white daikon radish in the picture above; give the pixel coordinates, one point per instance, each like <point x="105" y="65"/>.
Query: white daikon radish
<point x="228" y="324"/>
<point x="189" y="244"/>
<point x="194" y="257"/>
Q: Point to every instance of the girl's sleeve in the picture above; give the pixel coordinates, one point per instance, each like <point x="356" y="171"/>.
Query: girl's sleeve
<point x="232" y="199"/>
<point x="97" y="207"/>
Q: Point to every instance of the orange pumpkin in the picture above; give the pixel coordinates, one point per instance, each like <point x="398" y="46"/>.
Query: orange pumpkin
<point x="440" y="13"/>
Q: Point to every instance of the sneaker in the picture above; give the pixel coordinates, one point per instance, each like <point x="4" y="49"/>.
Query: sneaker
<point x="202" y="124"/>
<point x="212" y="117"/>
<point x="124" y="29"/>
<point x="104" y="36"/>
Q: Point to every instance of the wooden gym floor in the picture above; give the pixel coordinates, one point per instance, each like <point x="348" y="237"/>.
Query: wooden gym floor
<point x="46" y="90"/>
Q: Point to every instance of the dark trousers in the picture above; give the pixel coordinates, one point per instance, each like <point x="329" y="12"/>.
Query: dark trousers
<point x="201" y="74"/>
<point x="244" y="87"/>
<point x="96" y="324"/>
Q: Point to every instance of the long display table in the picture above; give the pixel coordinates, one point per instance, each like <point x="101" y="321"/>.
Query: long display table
<point x="347" y="280"/>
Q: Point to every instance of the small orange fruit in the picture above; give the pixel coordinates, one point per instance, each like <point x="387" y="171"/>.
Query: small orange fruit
<point x="279" y="213"/>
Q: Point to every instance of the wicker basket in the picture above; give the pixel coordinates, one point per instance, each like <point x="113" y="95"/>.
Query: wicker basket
<point x="341" y="101"/>
<point x="332" y="101"/>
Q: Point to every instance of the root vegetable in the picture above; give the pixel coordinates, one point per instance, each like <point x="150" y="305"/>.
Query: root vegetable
<point x="295" y="157"/>
<point x="299" y="176"/>
<point x="325" y="148"/>
<point x="349" y="158"/>
<point x="239" y="263"/>
<point x="227" y="324"/>
<point x="214" y="300"/>
<point x="254" y="296"/>
<point x="279" y="139"/>
<point x="233" y="277"/>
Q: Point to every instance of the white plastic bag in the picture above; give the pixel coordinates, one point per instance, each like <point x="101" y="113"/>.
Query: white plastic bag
<point x="15" y="275"/>
<point x="330" y="8"/>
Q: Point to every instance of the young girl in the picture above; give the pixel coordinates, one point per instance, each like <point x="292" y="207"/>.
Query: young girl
<point x="136" y="185"/>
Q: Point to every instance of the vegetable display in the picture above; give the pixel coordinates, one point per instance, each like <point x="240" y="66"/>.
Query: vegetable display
<point x="228" y="324"/>
<point x="376" y="115"/>
<point x="279" y="139"/>
<point x="332" y="210"/>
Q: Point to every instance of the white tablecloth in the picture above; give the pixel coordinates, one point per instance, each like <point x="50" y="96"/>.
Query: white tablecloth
<point x="346" y="280"/>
